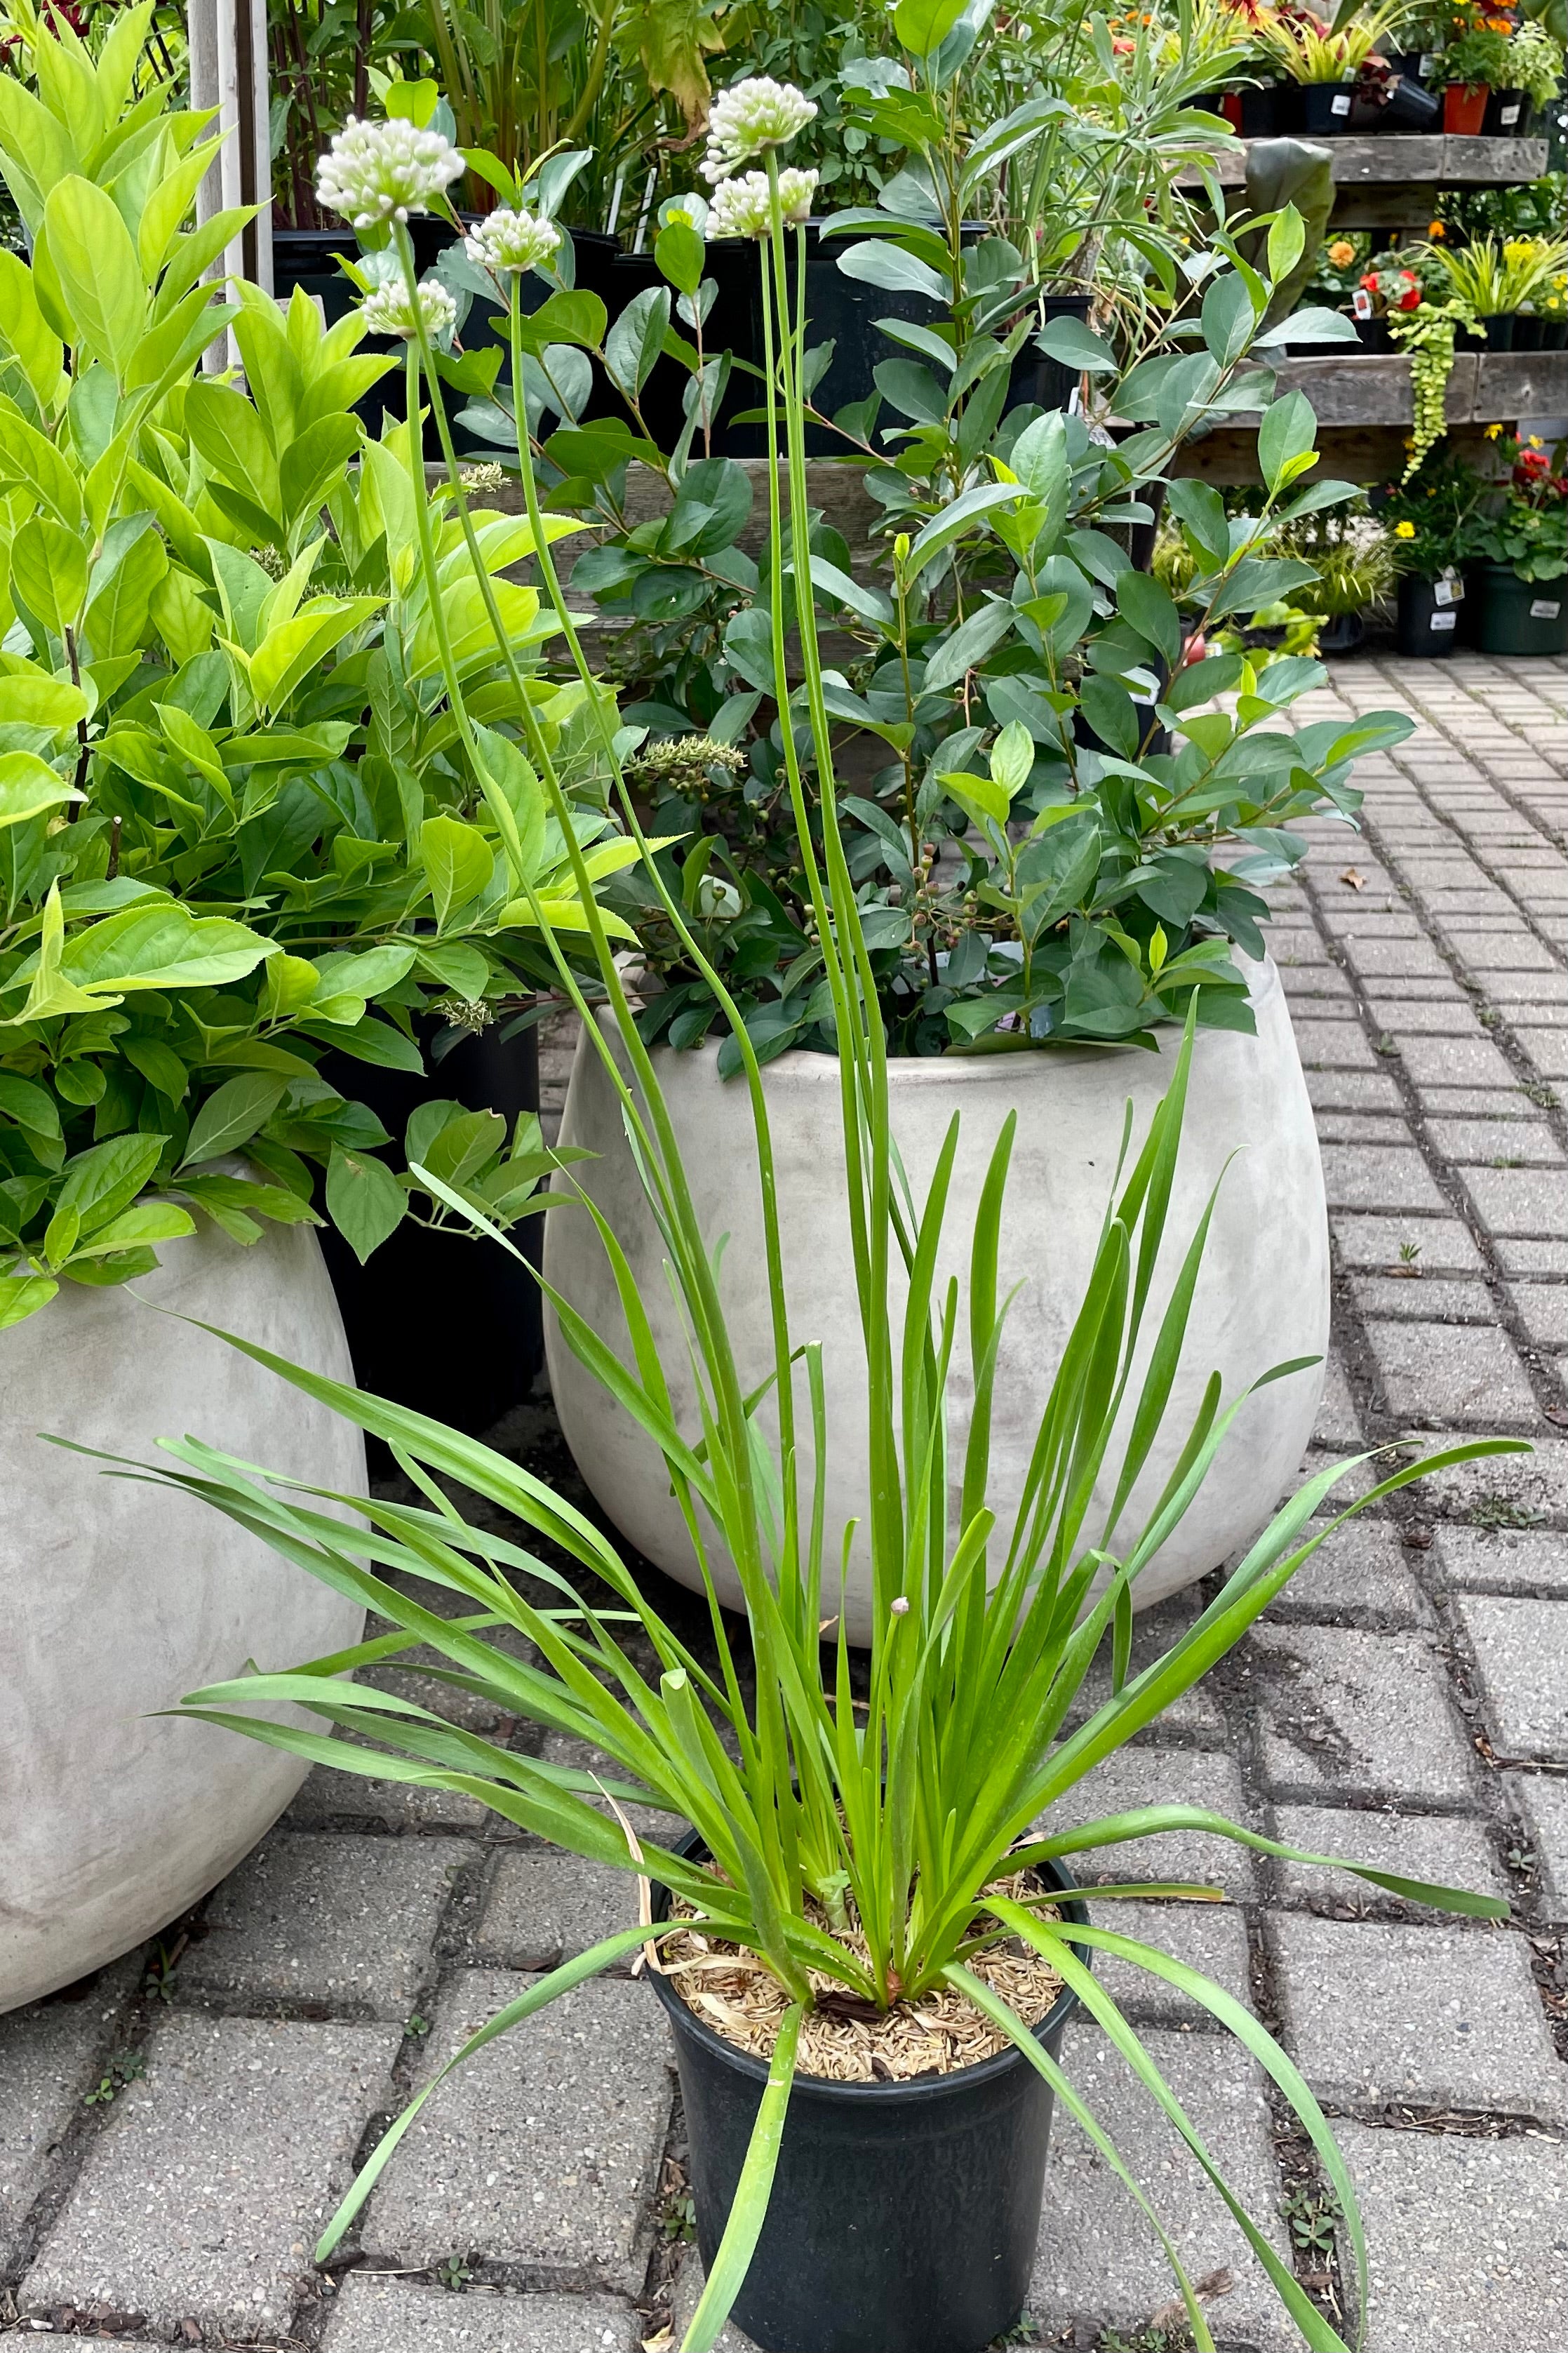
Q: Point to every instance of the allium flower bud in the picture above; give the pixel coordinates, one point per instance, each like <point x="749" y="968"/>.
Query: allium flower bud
<point x="750" y="116"/>
<point x="388" y="310"/>
<point x="376" y="171"/>
<point x="506" y="240"/>
<point x="743" y="207"/>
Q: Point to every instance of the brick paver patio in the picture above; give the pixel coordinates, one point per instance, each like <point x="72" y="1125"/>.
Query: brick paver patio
<point x="1408" y="1699"/>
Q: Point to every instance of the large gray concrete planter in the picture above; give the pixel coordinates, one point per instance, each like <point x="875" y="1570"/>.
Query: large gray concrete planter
<point x="120" y="1598"/>
<point x="1262" y="1297"/>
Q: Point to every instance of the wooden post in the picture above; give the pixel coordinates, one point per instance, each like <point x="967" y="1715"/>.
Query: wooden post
<point x="228" y="71"/>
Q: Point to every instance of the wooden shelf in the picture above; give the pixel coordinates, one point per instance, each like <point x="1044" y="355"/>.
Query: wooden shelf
<point x="1365" y="411"/>
<point x="1395" y="182"/>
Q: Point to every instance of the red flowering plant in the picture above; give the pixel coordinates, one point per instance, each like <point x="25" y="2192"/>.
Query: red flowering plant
<point x="1528" y="532"/>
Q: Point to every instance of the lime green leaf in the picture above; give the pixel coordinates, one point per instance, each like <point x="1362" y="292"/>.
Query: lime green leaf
<point x="98" y="270"/>
<point x="22" y="1295"/>
<point x="458" y="861"/>
<point x="233" y="1113"/>
<point x="28" y="787"/>
<point x="287" y="653"/>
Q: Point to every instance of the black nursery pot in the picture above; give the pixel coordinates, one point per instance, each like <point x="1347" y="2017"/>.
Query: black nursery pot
<point x="1327" y="108"/>
<point x="1409" y="107"/>
<point x="904" y="2217"/>
<point x="443" y="1325"/>
<point x="1507" y="116"/>
<point x="1426" y="629"/>
<point x="1268" y="112"/>
<point x="1341" y="634"/>
<point x="1526" y="332"/>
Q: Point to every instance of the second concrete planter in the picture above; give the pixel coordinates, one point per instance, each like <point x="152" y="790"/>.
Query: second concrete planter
<point x="1262" y="1298"/>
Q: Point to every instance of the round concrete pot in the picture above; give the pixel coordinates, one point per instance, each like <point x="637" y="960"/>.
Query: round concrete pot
<point x="1262" y="1296"/>
<point x="119" y="1597"/>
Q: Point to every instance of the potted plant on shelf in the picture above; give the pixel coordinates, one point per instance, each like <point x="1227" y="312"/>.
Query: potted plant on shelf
<point x="1535" y="68"/>
<point x="1493" y="280"/>
<point x="1329" y="65"/>
<point x="237" y="840"/>
<point x="1430" y="523"/>
<point x="823" y="1878"/>
<point x="1472" y="63"/>
<point x="1353" y="562"/>
<point x="1521" y="576"/>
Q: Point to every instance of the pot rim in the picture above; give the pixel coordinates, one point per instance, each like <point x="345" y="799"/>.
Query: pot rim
<point x="684" y="2019"/>
<point x="941" y="1069"/>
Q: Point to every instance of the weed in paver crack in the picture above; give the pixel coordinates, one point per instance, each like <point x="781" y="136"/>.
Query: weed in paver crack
<point x="1493" y="1509"/>
<point x="1408" y="1253"/>
<point x="127" y="2067"/>
<point x="1312" y="2216"/>
<point x="416" y="2024"/>
<point x="1544" y="1096"/>
<point x="1386" y="1045"/>
<point x="160" y="1981"/>
<point x="452" y="2272"/>
<point x="1166" y="2331"/>
<point x="1488" y="1016"/>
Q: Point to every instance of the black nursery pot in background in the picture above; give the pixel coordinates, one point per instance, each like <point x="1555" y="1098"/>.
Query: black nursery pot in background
<point x="1327" y="108"/>
<point x="904" y="2216"/>
<point x="443" y="1325"/>
<point x="1426" y="629"/>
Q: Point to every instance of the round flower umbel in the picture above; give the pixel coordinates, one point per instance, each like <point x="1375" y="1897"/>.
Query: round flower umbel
<point x="379" y="171"/>
<point x="743" y="207"/>
<point x="506" y="240"/>
<point x="388" y="310"/>
<point x="750" y="116"/>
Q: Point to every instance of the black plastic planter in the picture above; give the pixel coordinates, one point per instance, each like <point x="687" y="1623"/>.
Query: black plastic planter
<point x="1519" y="617"/>
<point x="1371" y="334"/>
<point x="1507" y="116"/>
<point x="1273" y="110"/>
<point x="903" y="2217"/>
<point x="1526" y="332"/>
<point x="1327" y="108"/>
<point x="1341" y="634"/>
<point x="446" y="1326"/>
<point x="1427" y="629"/>
<point x="1409" y="107"/>
<point x="1554" y="334"/>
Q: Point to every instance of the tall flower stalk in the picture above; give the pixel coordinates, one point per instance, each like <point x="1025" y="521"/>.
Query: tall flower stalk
<point x="862" y="1849"/>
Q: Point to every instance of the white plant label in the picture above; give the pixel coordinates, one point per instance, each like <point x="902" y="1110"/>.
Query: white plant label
<point x="1545" y="609"/>
<point x="1447" y="590"/>
<point x="1341" y="103"/>
<point x="1509" y="116"/>
<point x="1360" y="302"/>
<point x="1449" y="621"/>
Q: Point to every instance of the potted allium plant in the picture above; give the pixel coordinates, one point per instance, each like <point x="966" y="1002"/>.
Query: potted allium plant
<point x="867" y="1849"/>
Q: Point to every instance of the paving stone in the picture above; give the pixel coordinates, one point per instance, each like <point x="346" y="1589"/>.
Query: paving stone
<point x="1429" y="2017"/>
<point x="1442" y="1244"/>
<point x="541" y="2150"/>
<point x="1134" y="1778"/>
<point x="1351" y="1090"/>
<point x="1519" y="1201"/>
<point x="1447" y="1849"/>
<point x="1527" y="1258"/>
<point x="1361" y="1127"/>
<point x="1432" y="1017"/>
<point x="1513" y="950"/>
<point x="1520" y="1646"/>
<point x="1466" y="1371"/>
<point x="1477" y="1492"/>
<point x="1542" y="1800"/>
<point x="1452" y="1062"/>
<point x="1332" y="1045"/>
<point x="213" y="2178"/>
<point x="544" y="1906"/>
<point x="1360" y="1575"/>
<point x="1543" y="1308"/>
<point x="1480" y="1141"/>
<point x="390" y="2315"/>
<point x="1502" y="1560"/>
<point x="1379" y="1177"/>
<point x="51" y="2055"/>
<point x="1547" y="1049"/>
<point x="1099" y="2262"/>
<point x="329" y="1799"/>
<point x="1413" y="1297"/>
<point x="1356" y="1713"/>
<point x="1209" y="1937"/>
<point x="1395" y="955"/>
<point x="345" y="1920"/>
<point x="1469" y="2240"/>
<point x="1476" y="1102"/>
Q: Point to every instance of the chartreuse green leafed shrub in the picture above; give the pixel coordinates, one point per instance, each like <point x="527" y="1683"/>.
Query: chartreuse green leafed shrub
<point x="239" y="826"/>
<point x="846" y="1839"/>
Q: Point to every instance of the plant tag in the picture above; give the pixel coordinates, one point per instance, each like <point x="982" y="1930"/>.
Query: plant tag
<point x="1449" y="621"/>
<point x="1447" y="590"/>
<point x="1425" y="62"/>
<point x="1509" y="115"/>
<point x="1545" y="609"/>
<point x="1341" y="102"/>
<point x="1360" y="302"/>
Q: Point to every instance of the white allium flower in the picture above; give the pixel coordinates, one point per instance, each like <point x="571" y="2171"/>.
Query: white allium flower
<point x="386" y="311"/>
<point x="512" y="240"/>
<point x="742" y="208"/>
<point x="376" y="171"/>
<point x="750" y="116"/>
